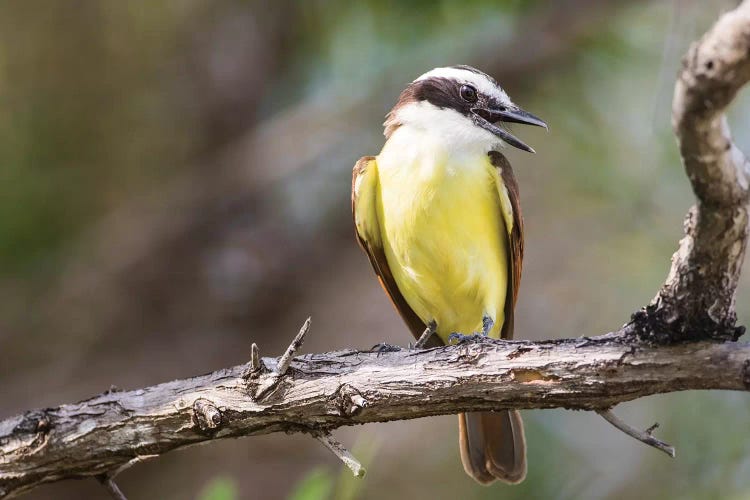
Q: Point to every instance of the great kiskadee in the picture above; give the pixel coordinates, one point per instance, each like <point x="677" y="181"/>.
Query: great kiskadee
<point x="438" y="214"/>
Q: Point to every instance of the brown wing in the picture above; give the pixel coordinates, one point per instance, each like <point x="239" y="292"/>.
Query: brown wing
<point x="515" y="240"/>
<point x="376" y="254"/>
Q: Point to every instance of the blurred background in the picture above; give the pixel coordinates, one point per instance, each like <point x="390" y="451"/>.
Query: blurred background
<point x="175" y="181"/>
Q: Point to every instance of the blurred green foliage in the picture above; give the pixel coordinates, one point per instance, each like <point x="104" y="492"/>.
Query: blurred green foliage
<point x="316" y="485"/>
<point x="87" y="118"/>
<point x="220" y="488"/>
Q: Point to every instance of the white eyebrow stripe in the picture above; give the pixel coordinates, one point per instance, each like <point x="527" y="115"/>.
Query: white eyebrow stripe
<point x="482" y="84"/>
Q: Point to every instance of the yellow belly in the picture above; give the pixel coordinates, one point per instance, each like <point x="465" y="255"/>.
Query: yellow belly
<point x="445" y="240"/>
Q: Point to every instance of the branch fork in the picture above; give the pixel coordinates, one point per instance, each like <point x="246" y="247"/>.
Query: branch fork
<point x="281" y="367"/>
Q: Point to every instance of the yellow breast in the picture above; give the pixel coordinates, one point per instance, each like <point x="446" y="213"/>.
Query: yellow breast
<point x="444" y="237"/>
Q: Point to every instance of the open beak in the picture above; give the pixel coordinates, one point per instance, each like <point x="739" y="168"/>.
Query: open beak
<point x="487" y="117"/>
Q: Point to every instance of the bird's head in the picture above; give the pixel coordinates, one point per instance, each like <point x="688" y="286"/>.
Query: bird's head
<point x="461" y="104"/>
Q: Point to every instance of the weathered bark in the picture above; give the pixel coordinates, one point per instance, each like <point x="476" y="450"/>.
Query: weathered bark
<point x="325" y="391"/>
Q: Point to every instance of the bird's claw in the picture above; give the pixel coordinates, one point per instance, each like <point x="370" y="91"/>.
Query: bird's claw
<point x="384" y="347"/>
<point x="460" y="339"/>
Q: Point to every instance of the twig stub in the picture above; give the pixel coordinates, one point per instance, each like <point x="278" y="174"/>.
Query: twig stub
<point x="111" y="487"/>
<point x="351" y="401"/>
<point x="255" y="367"/>
<point x="254" y="357"/>
<point x="338" y="449"/>
<point x="644" y="437"/>
<point x="286" y="358"/>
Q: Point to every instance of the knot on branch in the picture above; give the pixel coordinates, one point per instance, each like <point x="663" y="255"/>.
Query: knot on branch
<point x="349" y="400"/>
<point x="34" y="422"/>
<point x="30" y="435"/>
<point x="663" y="322"/>
<point x="207" y="416"/>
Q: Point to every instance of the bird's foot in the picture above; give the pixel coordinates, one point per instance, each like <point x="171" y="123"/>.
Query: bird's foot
<point x="487" y="324"/>
<point x="456" y="338"/>
<point x="384" y="347"/>
<point x="483" y="336"/>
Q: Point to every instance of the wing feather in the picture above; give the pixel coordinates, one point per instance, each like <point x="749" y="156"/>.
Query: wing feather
<point x="515" y="237"/>
<point x="365" y="185"/>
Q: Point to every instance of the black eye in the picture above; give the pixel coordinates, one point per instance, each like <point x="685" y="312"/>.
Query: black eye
<point x="468" y="93"/>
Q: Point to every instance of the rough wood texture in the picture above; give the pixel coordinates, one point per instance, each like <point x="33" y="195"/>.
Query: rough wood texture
<point x="103" y="435"/>
<point x="324" y="391"/>
<point x="699" y="293"/>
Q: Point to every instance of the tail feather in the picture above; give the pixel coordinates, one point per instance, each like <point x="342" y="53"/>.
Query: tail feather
<point x="471" y="445"/>
<point x="493" y="446"/>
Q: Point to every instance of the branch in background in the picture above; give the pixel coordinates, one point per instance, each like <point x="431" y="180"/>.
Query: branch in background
<point x="699" y="293"/>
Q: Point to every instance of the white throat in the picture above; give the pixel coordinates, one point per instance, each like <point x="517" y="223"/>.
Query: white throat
<point x="444" y="129"/>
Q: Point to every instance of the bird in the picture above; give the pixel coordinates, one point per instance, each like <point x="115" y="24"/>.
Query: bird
<point x="437" y="212"/>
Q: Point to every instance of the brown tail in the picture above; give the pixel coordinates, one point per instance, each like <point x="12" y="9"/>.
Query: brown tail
<point x="493" y="446"/>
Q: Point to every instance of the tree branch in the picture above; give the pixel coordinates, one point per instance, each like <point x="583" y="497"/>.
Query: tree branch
<point x="317" y="393"/>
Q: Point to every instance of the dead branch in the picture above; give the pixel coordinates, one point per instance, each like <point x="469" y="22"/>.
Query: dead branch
<point x="321" y="392"/>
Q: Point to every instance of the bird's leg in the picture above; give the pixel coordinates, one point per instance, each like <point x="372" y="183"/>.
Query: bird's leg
<point x="459" y="338"/>
<point x="427" y="335"/>
<point x="487" y="324"/>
